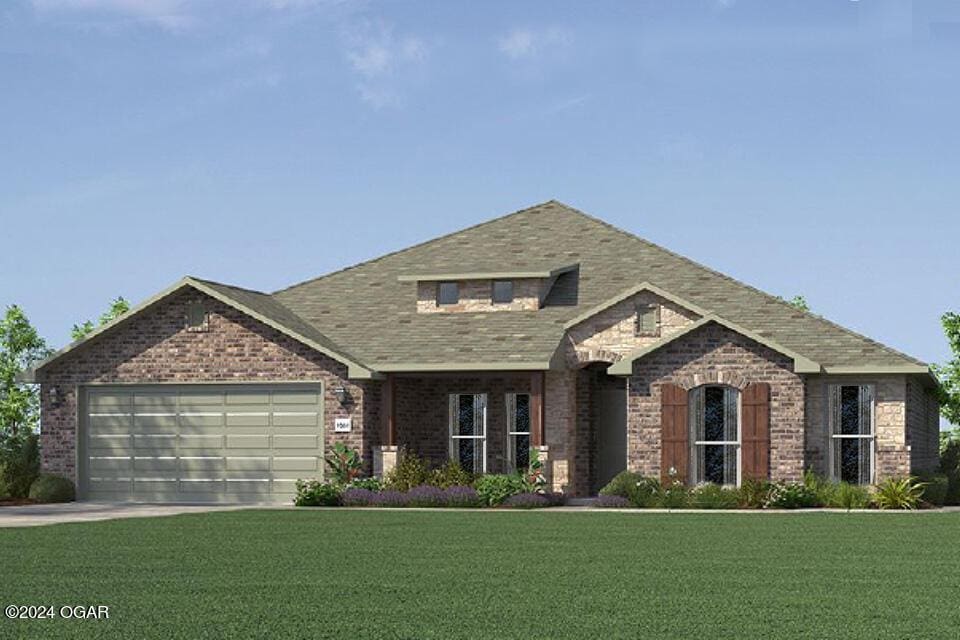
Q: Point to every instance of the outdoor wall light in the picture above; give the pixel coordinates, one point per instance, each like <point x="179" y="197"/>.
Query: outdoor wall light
<point x="343" y="396"/>
<point x="54" y="395"/>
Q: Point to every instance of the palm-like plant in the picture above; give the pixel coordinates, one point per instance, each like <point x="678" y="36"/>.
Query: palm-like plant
<point x="899" y="493"/>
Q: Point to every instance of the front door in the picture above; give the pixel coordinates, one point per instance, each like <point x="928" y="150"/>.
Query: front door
<point x="610" y="433"/>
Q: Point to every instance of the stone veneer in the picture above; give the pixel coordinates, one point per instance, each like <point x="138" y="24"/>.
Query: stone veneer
<point x="716" y="355"/>
<point x="155" y="347"/>
<point x="477" y="295"/>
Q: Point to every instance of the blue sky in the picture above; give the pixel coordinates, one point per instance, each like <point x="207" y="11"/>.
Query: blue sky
<point x="803" y="147"/>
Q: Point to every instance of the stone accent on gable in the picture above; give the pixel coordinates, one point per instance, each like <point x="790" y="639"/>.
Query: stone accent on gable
<point x="715" y="354"/>
<point x="477" y="295"/>
<point x="156" y="347"/>
<point x="612" y="333"/>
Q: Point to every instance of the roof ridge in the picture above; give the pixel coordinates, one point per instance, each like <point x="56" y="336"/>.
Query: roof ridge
<point x="735" y="281"/>
<point x="418" y="245"/>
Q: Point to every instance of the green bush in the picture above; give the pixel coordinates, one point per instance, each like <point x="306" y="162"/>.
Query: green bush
<point x="493" y="489"/>
<point x="449" y="475"/>
<point x="624" y="484"/>
<point x="345" y="463"/>
<point x="314" y="493"/>
<point x="370" y="484"/>
<point x="849" y="496"/>
<point x="713" y="496"/>
<point x="754" y="493"/>
<point x="646" y="493"/>
<point x="411" y="471"/>
<point x="19" y="464"/>
<point x="673" y="496"/>
<point x="821" y="487"/>
<point x="50" y="488"/>
<point x="935" y="491"/>
<point x="899" y="493"/>
<point x="950" y="467"/>
<point x="791" y="495"/>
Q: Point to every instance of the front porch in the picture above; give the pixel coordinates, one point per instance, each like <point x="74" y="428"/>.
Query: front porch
<point x="490" y="422"/>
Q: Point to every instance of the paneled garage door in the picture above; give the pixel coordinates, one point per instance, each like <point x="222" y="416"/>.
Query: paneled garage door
<point x="200" y="443"/>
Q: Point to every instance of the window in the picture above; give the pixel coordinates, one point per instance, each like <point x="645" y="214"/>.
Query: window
<point x="468" y="430"/>
<point x="196" y="315"/>
<point x="448" y="293"/>
<point x="715" y="435"/>
<point x="502" y="291"/>
<point x="851" y="433"/>
<point x="518" y="431"/>
<point x="648" y="320"/>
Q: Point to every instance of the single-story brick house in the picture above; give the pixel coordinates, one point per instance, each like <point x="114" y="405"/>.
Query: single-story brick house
<point x="544" y="329"/>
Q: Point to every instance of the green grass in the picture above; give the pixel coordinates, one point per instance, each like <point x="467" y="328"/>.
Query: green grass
<point x="403" y="574"/>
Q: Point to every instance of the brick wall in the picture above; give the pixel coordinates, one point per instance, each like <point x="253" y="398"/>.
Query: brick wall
<point x="716" y="355"/>
<point x="155" y="347"/>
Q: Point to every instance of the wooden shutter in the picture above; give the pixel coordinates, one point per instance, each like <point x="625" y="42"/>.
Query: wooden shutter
<point x="755" y="431"/>
<point x="674" y="448"/>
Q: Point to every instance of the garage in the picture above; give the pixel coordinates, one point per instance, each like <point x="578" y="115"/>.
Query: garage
<point x="199" y="443"/>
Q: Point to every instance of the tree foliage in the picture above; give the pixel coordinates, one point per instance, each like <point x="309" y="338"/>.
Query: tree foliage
<point x="799" y="302"/>
<point x="20" y="346"/>
<point x="118" y="307"/>
<point x="949" y="373"/>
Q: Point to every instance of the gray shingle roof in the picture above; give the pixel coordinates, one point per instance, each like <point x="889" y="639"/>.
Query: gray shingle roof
<point x="368" y="312"/>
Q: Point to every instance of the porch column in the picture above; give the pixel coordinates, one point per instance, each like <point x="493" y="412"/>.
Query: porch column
<point x="385" y="457"/>
<point x="537" y="438"/>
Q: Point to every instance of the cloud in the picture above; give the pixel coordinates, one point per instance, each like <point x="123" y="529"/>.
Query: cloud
<point x="527" y="43"/>
<point x="383" y="61"/>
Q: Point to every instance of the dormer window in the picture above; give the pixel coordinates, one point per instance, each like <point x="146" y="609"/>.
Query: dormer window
<point x="502" y="291"/>
<point x="448" y="293"/>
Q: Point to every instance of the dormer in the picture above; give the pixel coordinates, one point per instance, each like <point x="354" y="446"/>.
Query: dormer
<point x="485" y="291"/>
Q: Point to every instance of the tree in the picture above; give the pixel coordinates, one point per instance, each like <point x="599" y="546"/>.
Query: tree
<point x="118" y="307"/>
<point x="20" y="346"/>
<point x="799" y="302"/>
<point x="949" y="373"/>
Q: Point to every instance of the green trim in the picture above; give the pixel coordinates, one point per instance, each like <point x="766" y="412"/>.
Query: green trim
<point x="801" y="364"/>
<point x="876" y="369"/>
<point x="487" y="275"/>
<point x="462" y="366"/>
<point x="632" y="291"/>
<point x="354" y="369"/>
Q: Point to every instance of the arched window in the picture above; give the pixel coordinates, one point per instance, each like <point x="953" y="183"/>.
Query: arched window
<point x="715" y="435"/>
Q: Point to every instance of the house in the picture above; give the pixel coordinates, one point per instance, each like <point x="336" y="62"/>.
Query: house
<point x="544" y="330"/>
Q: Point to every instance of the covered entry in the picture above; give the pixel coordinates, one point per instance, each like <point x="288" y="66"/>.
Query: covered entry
<point x="199" y="443"/>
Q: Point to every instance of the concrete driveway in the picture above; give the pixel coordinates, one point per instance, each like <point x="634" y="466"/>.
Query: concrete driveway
<point x="35" y="515"/>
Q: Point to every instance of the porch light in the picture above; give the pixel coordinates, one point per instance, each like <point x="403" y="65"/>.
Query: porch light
<point x="343" y="396"/>
<point x="54" y="395"/>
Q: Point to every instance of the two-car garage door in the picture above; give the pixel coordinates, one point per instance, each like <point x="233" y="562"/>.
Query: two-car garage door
<point x="200" y="443"/>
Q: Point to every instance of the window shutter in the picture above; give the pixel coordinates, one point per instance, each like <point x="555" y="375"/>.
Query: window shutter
<point x="755" y="431"/>
<point x="674" y="449"/>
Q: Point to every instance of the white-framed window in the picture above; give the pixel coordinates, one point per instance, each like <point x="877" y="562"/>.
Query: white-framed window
<point x="715" y="435"/>
<point x="468" y="430"/>
<point x="518" y="431"/>
<point x="852" y="434"/>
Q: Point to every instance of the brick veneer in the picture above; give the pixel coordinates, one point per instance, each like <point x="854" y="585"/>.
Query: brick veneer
<point x="715" y="354"/>
<point x="154" y="347"/>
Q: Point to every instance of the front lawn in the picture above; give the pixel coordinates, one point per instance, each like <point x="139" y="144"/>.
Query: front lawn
<point x="528" y="575"/>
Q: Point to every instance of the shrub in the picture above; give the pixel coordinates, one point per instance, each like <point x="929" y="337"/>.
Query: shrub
<point x="357" y="497"/>
<point x="624" y="484"/>
<point x="372" y="484"/>
<point x="612" y="502"/>
<point x="935" y="491"/>
<point x="791" y="495"/>
<point x="754" y="493"/>
<point x="493" y="489"/>
<point x="50" y="488"/>
<point x="426" y="496"/>
<point x="646" y="493"/>
<point x="713" y="496"/>
<point x="450" y="474"/>
<point x="526" y="501"/>
<point x="314" y="493"/>
<point x="899" y="493"/>
<point x="19" y="465"/>
<point x="460" y="496"/>
<point x="344" y="462"/>
<point x="410" y="472"/>
<point x="950" y="467"/>
<point x="822" y="488"/>
<point x="390" y="498"/>
<point x="673" y="496"/>
<point x="849" y="496"/>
